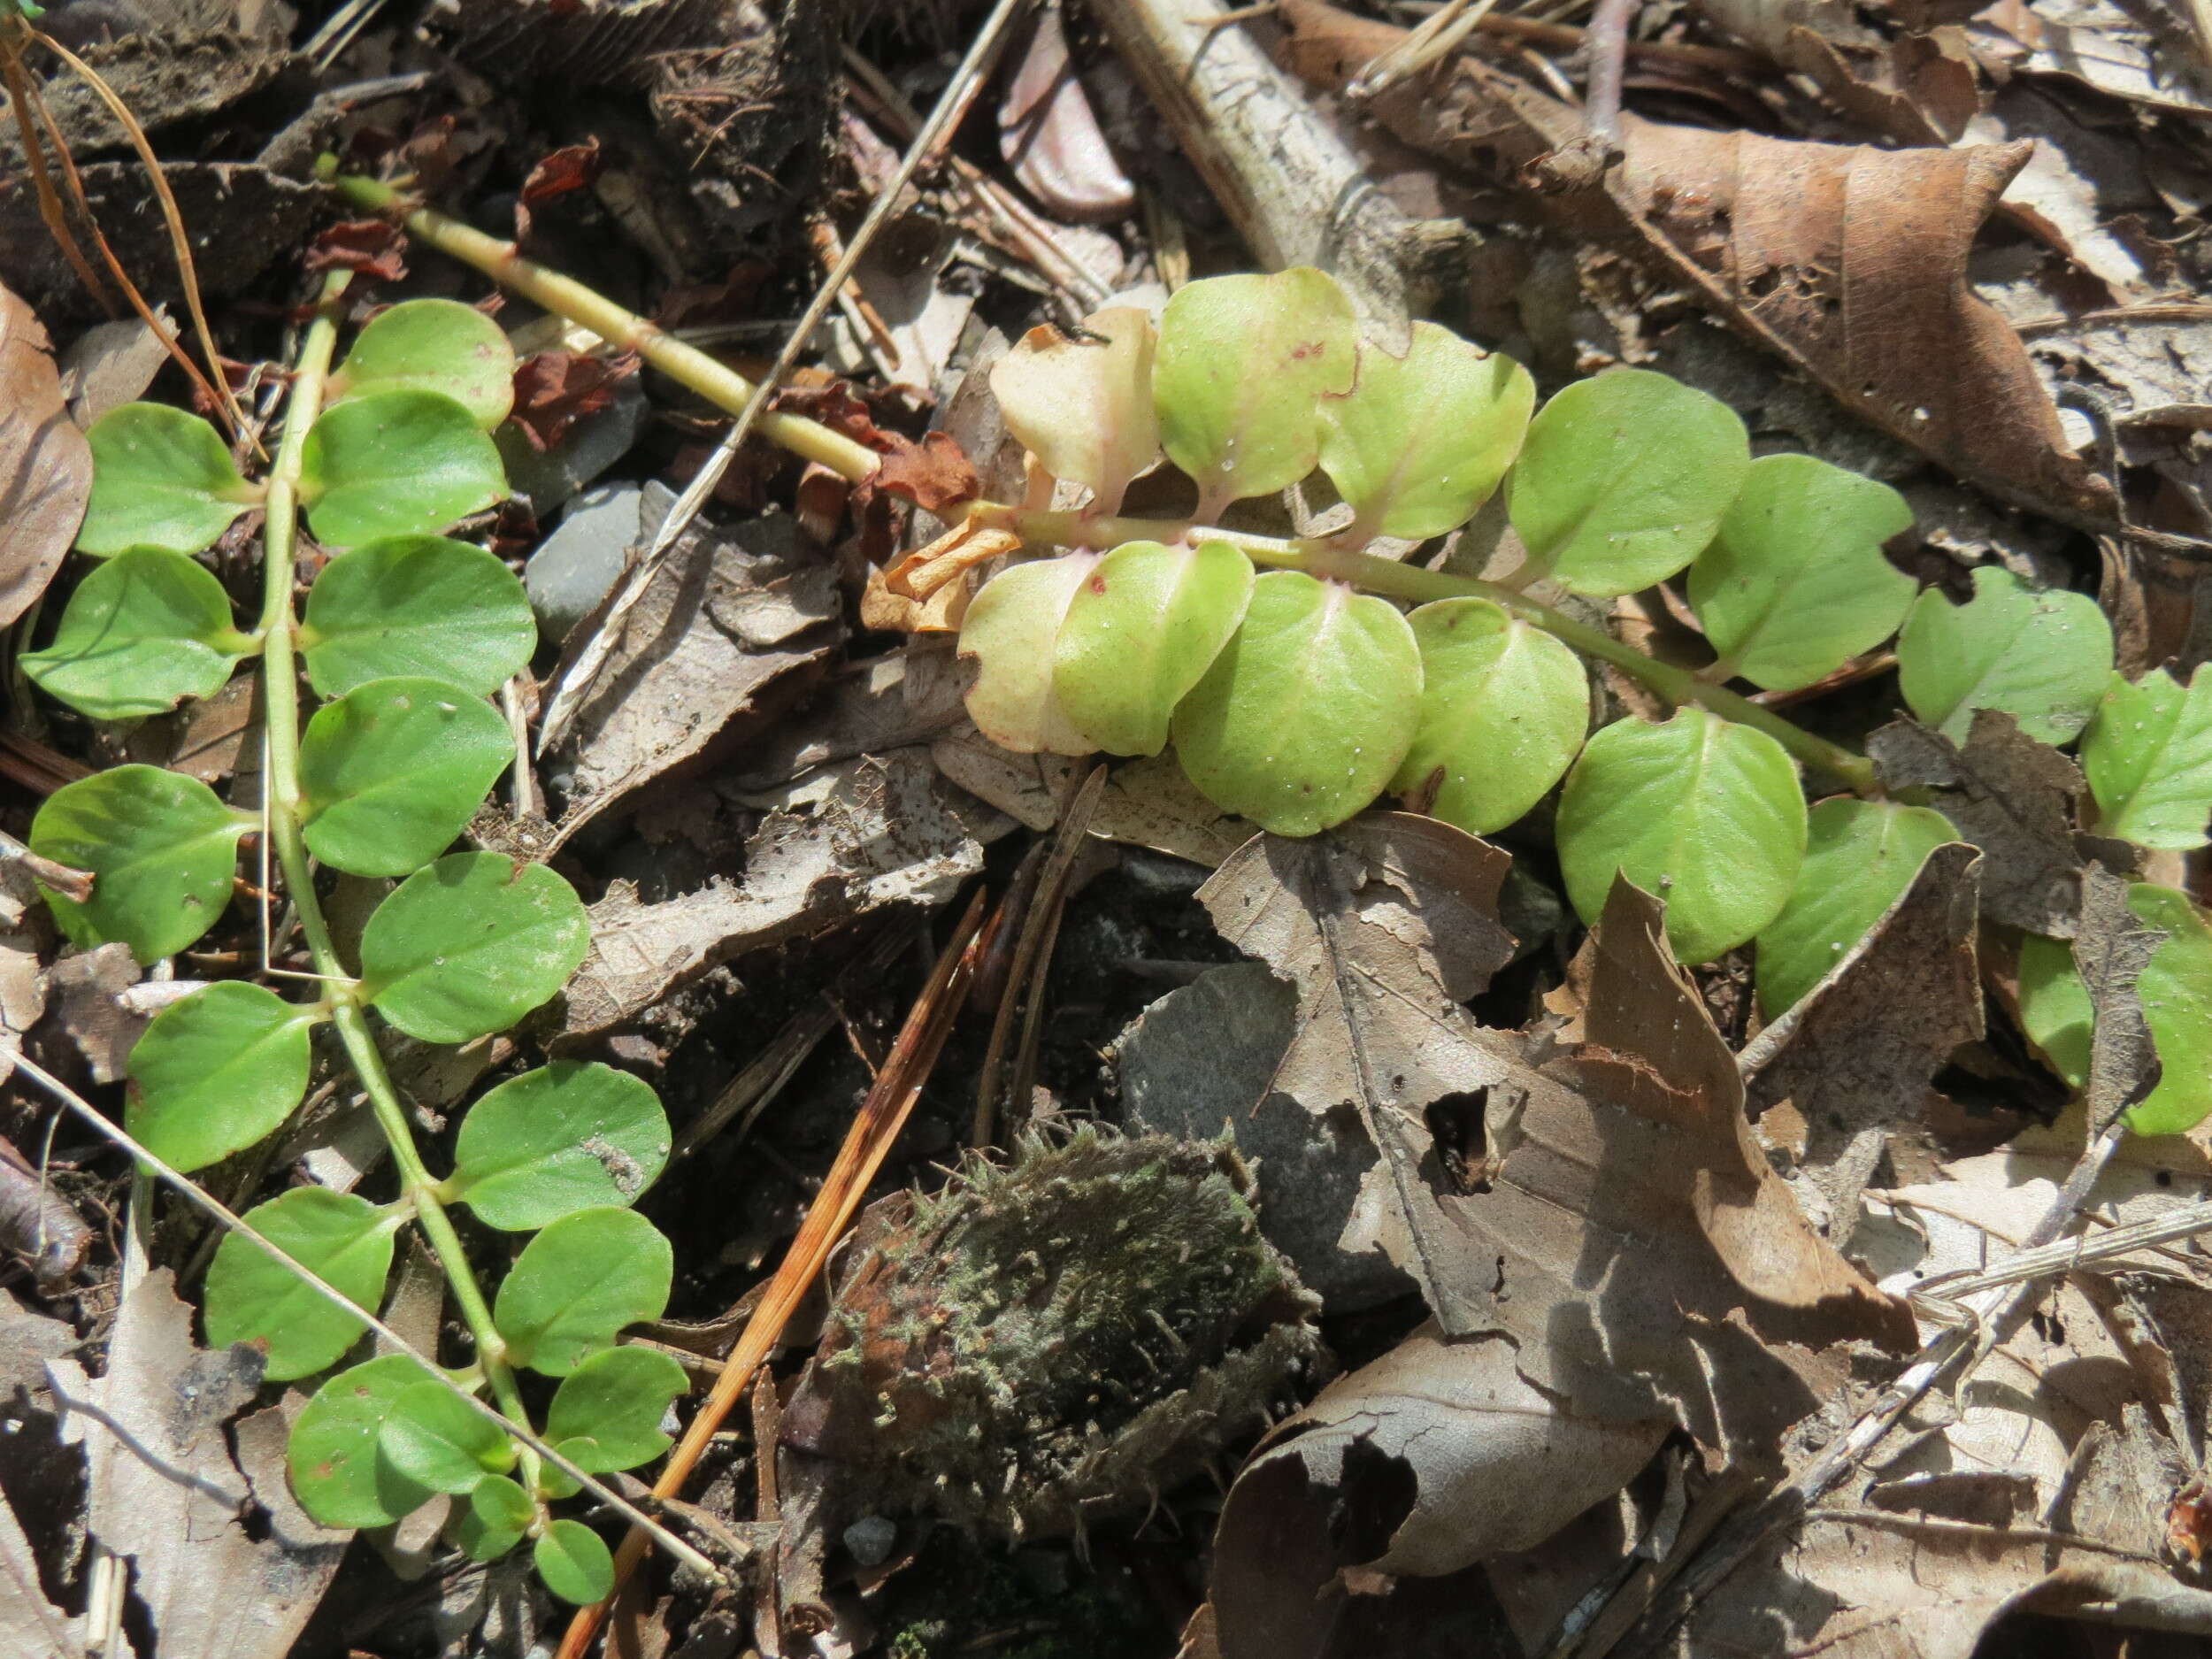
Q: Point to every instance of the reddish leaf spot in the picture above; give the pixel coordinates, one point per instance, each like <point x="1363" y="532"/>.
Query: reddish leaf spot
<point x="1098" y="584"/>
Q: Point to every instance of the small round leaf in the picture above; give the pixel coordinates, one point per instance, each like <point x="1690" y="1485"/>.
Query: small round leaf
<point x="416" y="604"/>
<point x="1305" y="716"/>
<point x="162" y="850"/>
<point x="1504" y="708"/>
<point x="1141" y="630"/>
<point x="579" y="1282"/>
<point x="499" y="1512"/>
<point x="614" y="1402"/>
<point x="395" y="770"/>
<point x="2148" y="756"/>
<point x="574" y="1562"/>
<point x="217" y="1071"/>
<point x="470" y="945"/>
<point x="336" y="1474"/>
<point x="1011" y="633"/>
<point x="2042" y="658"/>
<point x="432" y="346"/>
<point x="1624" y="480"/>
<point x="433" y="1438"/>
<point x="160" y="479"/>
<point x="1084" y="406"/>
<point x="1860" y="856"/>
<point x="395" y="463"/>
<point x="251" y="1296"/>
<point x="1705" y="814"/>
<point x="143" y="631"/>
<point x="1796" y="585"/>
<point x="563" y="1138"/>
<point x="1242" y="364"/>
<point x="1421" y="440"/>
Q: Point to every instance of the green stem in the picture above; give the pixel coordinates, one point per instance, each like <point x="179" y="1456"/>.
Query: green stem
<point x="280" y="694"/>
<point x="723" y="386"/>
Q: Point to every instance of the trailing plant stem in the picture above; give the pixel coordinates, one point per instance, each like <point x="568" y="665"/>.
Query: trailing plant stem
<point x="280" y="694"/>
<point x="723" y="386"/>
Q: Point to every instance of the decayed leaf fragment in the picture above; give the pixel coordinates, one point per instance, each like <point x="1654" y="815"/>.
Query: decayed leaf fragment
<point x="45" y="465"/>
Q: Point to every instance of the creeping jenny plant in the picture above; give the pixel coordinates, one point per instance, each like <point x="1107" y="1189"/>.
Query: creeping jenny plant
<point x="405" y="633"/>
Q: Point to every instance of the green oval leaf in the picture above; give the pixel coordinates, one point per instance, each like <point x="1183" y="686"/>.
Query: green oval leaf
<point x="574" y="1562"/>
<point x="336" y="1474"/>
<point x="614" y="1401"/>
<point x="2148" y="756"/>
<point x="1140" y="630"/>
<point x="1011" y="633"/>
<point x="1308" y="712"/>
<point x="1796" y="585"/>
<point x="217" y="1071"/>
<point x="416" y="604"/>
<point x="470" y="945"/>
<point x="162" y="850"/>
<point x="432" y="1437"/>
<point x="1083" y="406"/>
<point x="160" y="479"/>
<point x="251" y="1296"/>
<point x="578" y="1283"/>
<point x="395" y="463"/>
<point x="563" y="1138"/>
<point x="1624" y="480"/>
<point x="2042" y="658"/>
<point x="143" y="631"/>
<point x="1504" y="708"/>
<point x="432" y="346"/>
<point x="395" y="770"/>
<point x="499" y="1512"/>
<point x="1703" y="813"/>
<point x="2175" y="991"/>
<point x="1421" y="440"/>
<point x="1242" y="364"/>
<point x="1860" y="856"/>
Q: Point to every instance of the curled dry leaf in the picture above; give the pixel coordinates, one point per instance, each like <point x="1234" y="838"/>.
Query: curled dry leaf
<point x="45" y="465"/>
<point x="38" y="1226"/>
<point x="374" y="248"/>
<point x="556" y="389"/>
<point x="1050" y="138"/>
<point x="2111" y="949"/>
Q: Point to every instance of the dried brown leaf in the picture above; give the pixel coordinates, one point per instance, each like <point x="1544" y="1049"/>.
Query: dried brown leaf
<point x="2111" y="950"/>
<point x="45" y="465"/>
<point x="556" y="389"/>
<point x="373" y="248"/>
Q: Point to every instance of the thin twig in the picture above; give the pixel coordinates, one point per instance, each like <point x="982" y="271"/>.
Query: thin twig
<point x="1607" y="49"/>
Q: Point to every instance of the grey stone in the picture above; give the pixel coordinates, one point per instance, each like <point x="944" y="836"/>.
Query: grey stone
<point x="586" y="450"/>
<point x="573" y="568"/>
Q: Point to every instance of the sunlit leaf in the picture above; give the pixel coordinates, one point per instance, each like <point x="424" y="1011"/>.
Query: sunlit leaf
<point x="1703" y="813"/>
<point x="2043" y="658"/>
<point x="395" y="463"/>
<point x="1794" y="585"/>
<point x="1860" y="856"/>
<point x="161" y="847"/>
<point x="563" y="1138"/>
<point x="393" y="771"/>
<point x="251" y="1296"/>
<point x="143" y="631"/>
<point x="1624" y="480"/>
<point x="1139" y="630"/>
<point x="574" y="1562"/>
<point x="578" y="1283"/>
<point x="335" y="1472"/>
<point x="433" y="1438"/>
<point x="1504" y="708"/>
<point x="416" y="604"/>
<point x="217" y="1070"/>
<point x="2148" y="757"/>
<point x="433" y="345"/>
<point x="470" y="945"/>
<point x="160" y="479"/>
<point x="616" y="1400"/>
<point x="1011" y="633"/>
<point x="1243" y="363"/>
<point x="1084" y="405"/>
<point x="1421" y="440"/>
<point x="1307" y="713"/>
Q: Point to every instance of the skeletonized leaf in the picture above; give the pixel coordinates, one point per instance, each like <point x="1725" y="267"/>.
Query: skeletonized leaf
<point x="217" y="1070"/>
<point x="393" y="771"/>
<point x="416" y="604"/>
<point x="2148" y="756"/>
<point x="1699" y="811"/>
<point x="1624" y="480"/>
<point x="1084" y="406"/>
<point x="162" y="850"/>
<point x="1141" y="630"/>
<point x="1859" y="857"/>
<point x="563" y="1138"/>
<point x="251" y="1296"/>
<point x="578" y="1283"/>
<point x="143" y="631"/>
<point x="433" y="345"/>
<point x="45" y="458"/>
<point x="1796" y="585"/>
<point x="1504" y="708"/>
<point x="470" y="945"/>
<point x="2042" y="658"/>
<point x="335" y="1472"/>
<point x="1305" y="714"/>
<point x="1421" y="440"/>
<point x="395" y="463"/>
<point x="1243" y="363"/>
<point x="1012" y="632"/>
<point x="434" y="1440"/>
<point x="160" y="478"/>
<point x="614" y="1401"/>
